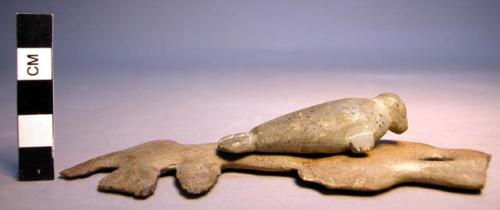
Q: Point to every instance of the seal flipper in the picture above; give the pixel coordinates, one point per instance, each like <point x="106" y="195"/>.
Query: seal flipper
<point x="361" y="143"/>
<point x="237" y="143"/>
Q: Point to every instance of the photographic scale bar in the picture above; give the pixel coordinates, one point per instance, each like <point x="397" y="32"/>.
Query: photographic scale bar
<point x="35" y="121"/>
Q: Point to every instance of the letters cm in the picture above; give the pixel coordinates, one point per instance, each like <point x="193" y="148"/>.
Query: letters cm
<point x="32" y="69"/>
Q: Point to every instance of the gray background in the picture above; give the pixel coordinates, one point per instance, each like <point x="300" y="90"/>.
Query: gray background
<point x="193" y="71"/>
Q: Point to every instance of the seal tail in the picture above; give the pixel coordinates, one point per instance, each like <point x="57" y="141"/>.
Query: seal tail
<point x="237" y="143"/>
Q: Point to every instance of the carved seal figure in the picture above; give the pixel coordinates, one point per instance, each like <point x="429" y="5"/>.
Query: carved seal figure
<point x="354" y="124"/>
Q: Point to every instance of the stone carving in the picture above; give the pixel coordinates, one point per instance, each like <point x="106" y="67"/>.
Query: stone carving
<point x="338" y="131"/>
<point x="198" y="167"/>
<point x="332" y="127"/>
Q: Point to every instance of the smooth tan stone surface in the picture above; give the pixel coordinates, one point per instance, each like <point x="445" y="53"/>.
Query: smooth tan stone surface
<point x="198" y="167"/>
<point x="354" y="124"/>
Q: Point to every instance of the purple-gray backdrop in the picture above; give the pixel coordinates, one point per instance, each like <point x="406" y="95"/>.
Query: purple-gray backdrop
<point x="131" y="71"/>
<point x="161" y="34"/>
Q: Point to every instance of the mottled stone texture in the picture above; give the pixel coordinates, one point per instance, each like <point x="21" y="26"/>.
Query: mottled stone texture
<point x="198" y="167"/>
<point x="354" y="124"/>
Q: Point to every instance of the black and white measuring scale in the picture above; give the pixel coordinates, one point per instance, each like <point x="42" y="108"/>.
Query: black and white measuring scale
<point x="35" y="96"/>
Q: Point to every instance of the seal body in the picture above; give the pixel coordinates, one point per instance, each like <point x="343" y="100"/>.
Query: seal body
<point x="347" y="124"/>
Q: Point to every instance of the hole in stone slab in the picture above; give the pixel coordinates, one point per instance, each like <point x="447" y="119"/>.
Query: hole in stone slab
<point x="437" y="158"/>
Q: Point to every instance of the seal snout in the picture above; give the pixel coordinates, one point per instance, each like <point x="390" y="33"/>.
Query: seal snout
<point x="237" y="143"/>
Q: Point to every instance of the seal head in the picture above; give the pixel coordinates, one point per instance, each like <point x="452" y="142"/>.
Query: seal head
<point x="396" y="109"/>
